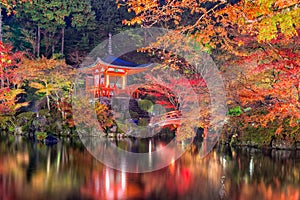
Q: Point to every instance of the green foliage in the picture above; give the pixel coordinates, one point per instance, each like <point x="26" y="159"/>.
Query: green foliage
<point x="25" y="116"/>
<point x="14" y="33"/>
<point x="133" y="114"/>
<point x="143" y="122"/>
<point x="108" y="16"/>
<point x="258" y="136"/>
<point x="268" y="30"/>
<point x="11" y="129"/>
<point x="44" y="112"/>
<point x="236" y="111"/>
<point x="52" y="17"/>
<point x="41" y="136"/>
<point x="82" y="14"/>
<point x="146" y="105"/>
<point x="57" y="56"/>
<point x="5" y="122"/>
<point x="287" y="22"/>
<point x="85" y="25"/>
<point x="24" y="120"/>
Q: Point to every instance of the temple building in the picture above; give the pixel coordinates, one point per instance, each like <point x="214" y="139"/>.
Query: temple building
<point x="108" y="76"/>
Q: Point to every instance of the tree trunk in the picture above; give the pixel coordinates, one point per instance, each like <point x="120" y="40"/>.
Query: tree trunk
<point x="53" y="50"/>
<point x="47" y="39"/>
<point x="53" y="46"/>
<point x="48" y="102"/>
<point x="62" y="41"/>
<point x="38" y="41"/>
<point x="0" y="24"/>
<point x="47" y="97"/>
<point x="34" y="45"/>
<point x="145" y="36"/>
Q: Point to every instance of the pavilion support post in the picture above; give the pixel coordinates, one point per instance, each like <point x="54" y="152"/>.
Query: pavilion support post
<point x="100" y="84"/>
<point x="123" y="82"/>
<point x="107" y="80"/>
<point x="99" y="73"/>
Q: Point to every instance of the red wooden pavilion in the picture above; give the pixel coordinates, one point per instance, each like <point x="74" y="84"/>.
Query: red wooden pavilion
<point x="108" y="76"/>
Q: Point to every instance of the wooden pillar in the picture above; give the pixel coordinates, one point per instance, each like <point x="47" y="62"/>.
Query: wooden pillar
<point x="123" y="82"/>
<point x="99" y="73"/>
<point x="94" y="81"/>
<point x="107" y="80"/>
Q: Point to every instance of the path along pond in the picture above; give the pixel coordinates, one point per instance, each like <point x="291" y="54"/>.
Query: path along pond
<point x="66" y="170"/>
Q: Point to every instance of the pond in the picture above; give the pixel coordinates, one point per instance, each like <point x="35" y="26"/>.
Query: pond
<point x="31" y="170"/>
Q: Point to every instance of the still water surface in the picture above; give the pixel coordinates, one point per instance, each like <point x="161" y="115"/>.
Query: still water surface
<point x="30" y="170"/>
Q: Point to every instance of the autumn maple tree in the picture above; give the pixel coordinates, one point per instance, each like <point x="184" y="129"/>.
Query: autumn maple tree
<point x="260" y="35"/>
<point x="53" y="80"/>
<point x="10" y="81"/>
<point x="275" y="86"/>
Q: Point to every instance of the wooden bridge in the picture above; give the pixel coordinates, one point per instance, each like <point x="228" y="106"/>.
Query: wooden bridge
<point x="166" y="119"/>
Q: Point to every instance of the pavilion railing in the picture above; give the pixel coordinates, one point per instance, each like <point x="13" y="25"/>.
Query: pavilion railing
<point x="108" y="91"/>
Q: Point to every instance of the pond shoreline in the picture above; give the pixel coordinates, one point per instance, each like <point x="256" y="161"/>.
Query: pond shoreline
<point x="279" y="145"/>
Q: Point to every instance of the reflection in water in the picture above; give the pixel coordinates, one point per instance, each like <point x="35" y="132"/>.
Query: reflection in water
<point x="251" y="166"/>
<point x="67" y="171"/>
<point x="222" y="192"/>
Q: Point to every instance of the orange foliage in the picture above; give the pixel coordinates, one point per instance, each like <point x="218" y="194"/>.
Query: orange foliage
<point x="221" y="24"/>
<point x="261" y="31"/>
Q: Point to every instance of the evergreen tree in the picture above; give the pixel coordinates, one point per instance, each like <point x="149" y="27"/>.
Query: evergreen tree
<point x="51" y="17"/>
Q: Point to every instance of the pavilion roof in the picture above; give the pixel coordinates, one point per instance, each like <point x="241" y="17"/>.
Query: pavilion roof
<point x="111" y="61"/>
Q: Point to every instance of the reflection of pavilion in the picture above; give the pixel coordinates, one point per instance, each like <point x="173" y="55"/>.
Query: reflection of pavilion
<point x="110" y="184"/>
